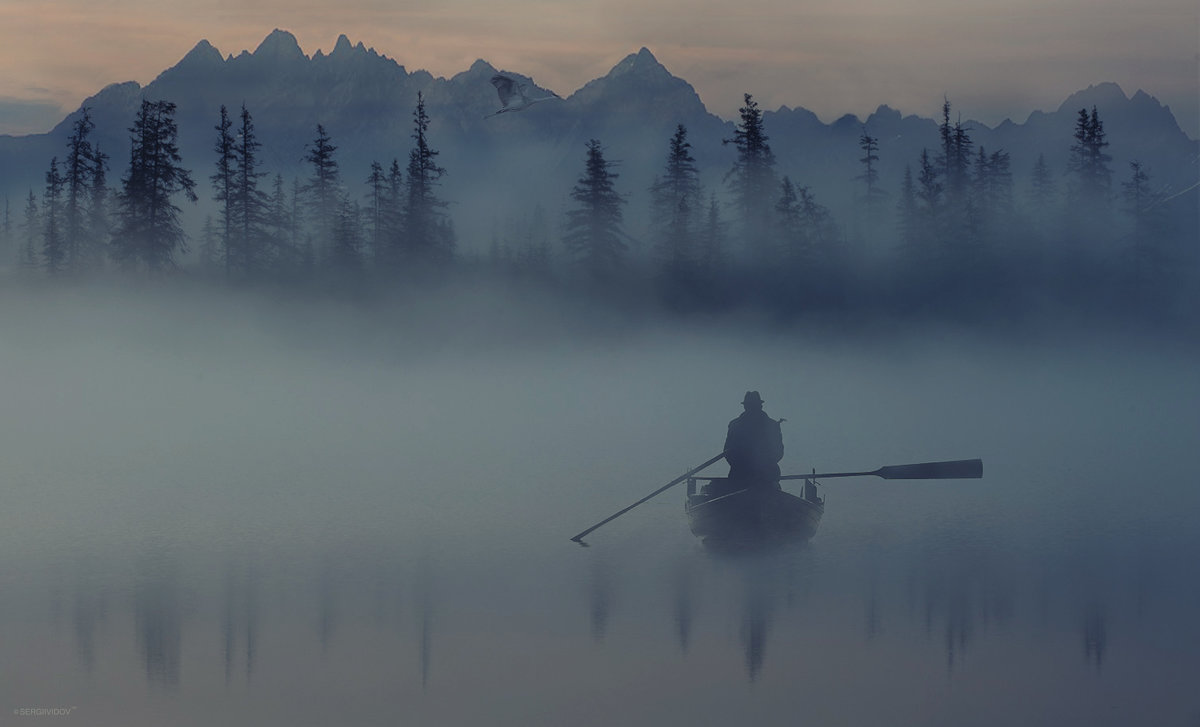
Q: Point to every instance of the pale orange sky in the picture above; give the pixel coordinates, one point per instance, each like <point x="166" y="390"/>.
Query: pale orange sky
<point x="993" y="59"/>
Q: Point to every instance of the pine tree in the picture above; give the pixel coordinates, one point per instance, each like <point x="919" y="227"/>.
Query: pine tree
<point x="54" y="245"/>
<point x="376" y="201"/>
<point x="392" y="217"/>
<point x="346" y="252"/>
<point x="791" y="227"/>
<point x="99" y="223"/>
<point x="593" y="232"/>
<point x="323" y="190"/>
<point x="249" y="209"/>
<point x="150" y="233"/>
<point x="1148" y="234"/>
<point x="1088" y="165"/>
<point x="908" y="214"/>
<point x="752" y="180"/>
<point x="223" y="186"/>
<point x="209" y="252"/>
<point x="674" y="205"/>
<point x="279" y="221"/>
<point x="712" y="240"/>
<point x="955" y="158"/>
<point x="1043" y="193"/>
<point x="6" y="231"/>
<point x="31" y="233"/>
<point x="424" y="228"/>
<point x="873" y="195"/>
<point x="78" y="169"/>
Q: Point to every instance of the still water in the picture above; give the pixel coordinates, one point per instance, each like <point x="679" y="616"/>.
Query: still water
<point x="305" y="519"/>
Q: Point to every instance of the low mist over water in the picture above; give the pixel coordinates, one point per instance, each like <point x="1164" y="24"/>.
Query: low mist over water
<point x="237" y="509"/>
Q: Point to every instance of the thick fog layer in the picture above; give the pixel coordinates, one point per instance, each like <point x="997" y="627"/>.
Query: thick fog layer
<point x="281" y="511"/>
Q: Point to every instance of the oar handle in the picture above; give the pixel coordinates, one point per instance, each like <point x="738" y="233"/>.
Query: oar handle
<point x="579" y="538"/>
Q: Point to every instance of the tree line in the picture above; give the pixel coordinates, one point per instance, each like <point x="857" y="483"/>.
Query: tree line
<point x="954" y="227"/>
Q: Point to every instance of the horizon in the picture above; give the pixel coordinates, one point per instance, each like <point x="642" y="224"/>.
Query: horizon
<point x="1026" y="59"/>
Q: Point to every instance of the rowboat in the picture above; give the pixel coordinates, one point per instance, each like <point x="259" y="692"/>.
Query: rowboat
<point x="725" y="514"/>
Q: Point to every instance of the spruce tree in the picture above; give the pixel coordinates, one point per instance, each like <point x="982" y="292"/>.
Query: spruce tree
<point x="54" y="245"/>
<point x="6" y="231"/>
<point x="674" y="206"/>
<point x="323" y="191"/>
<point x="279" y="221"/>
<point x="149" y="232"/>
<point x="1088" y="165"/>
<point x="222" y="181"/>
<point x="249" y="202"/>
<point x="77" y="176"/>
<point x="908" y="214"/>
<point x="99" y="223"/>
<point x="593" y="231"/>
<point x="1148" y="232"/>
<point x="424" y="226"/>
<point x="873" y="196"/>
<point x="752" y="180"/>
<point x="1043" y="193"/>
<point x="376" y="200"/>
<point x="31" y="234"/>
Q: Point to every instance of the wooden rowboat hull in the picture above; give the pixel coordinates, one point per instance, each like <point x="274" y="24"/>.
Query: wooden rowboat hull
<point x="724" y="516"/>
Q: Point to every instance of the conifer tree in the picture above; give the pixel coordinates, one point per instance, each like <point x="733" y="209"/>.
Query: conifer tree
<point x="593" y="231"/>
<point x="31" y="234"/>
<point x="908" y="214"/>
<point x="425" y="229"/>
<point x="1043" y="193"/>
<point x="1088" y="165"/>
<point x="323" y="190"/>
<point x="54" y="246"/>
<point x="149" y="232"/>
<point x="392" y="216"/>
<point x="376" y="202"/>
<point x="1148" y="233"/>
<point x="712" y="239"/>
<point x="78" y="168"/>
<point x="249" y="208"/>
<point x="873" y="195"/>
<point x="752" y="180"/>
<point x="279" y="221"/>
<point x="675" y="204"/>
<point x="6" y="231"/>
<point x="222" y="181"/>
<point x="99" y="223"/>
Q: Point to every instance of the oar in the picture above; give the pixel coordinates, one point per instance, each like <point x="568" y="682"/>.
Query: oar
<point x="955" y="470"/>
<point x="579" y="538"/>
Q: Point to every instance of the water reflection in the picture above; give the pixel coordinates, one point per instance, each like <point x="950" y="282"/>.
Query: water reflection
<point x="158" y="616"/>
<point x="240" y="619"/>
<point x="936" y="603"/>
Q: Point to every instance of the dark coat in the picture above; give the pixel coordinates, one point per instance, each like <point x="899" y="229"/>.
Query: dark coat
<point x="753" y="448"/>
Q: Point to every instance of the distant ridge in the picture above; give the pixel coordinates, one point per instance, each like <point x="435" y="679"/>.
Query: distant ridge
<point x="365" y="101"/>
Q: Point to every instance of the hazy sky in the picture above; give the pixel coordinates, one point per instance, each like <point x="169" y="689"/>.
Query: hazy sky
<point x="993" y="59"/>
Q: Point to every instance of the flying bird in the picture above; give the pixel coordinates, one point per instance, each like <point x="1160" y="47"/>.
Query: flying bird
<point x="513" y="96"/>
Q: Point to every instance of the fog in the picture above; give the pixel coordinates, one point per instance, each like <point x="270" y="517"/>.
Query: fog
<point x="243" y="508"/>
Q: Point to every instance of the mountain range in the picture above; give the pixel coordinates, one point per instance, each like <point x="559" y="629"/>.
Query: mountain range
<point x="503" y="166"/>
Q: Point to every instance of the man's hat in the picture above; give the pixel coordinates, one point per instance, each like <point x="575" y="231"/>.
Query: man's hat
<point x="752" y="397"/>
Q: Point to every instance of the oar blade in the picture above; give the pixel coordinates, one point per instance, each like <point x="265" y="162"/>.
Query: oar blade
<point x="961" y="469"/>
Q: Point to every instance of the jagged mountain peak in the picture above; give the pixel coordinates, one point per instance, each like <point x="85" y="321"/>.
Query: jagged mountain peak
<point x="202" y="55"/>
<point x="641" y="63"/>
<point x="280" y="45"/>
<point x="1100" y="95"/>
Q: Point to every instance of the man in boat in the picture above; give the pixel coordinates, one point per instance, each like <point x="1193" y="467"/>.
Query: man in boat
<point x="754" y="446"/>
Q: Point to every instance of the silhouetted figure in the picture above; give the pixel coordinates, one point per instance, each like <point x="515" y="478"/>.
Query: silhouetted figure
<point x="754" y="446"/>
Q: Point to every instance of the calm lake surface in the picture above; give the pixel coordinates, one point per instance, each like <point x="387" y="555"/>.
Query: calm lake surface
<point x="243" y="514"/>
